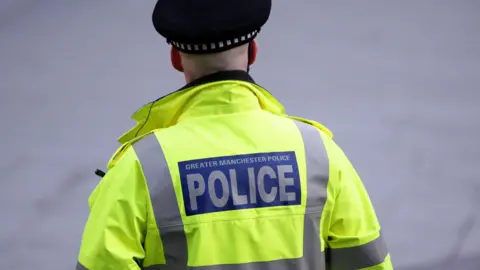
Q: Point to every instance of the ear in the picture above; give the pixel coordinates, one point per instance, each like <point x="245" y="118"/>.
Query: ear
<point x="252" y="52"/>
<point x="175" y="59"/>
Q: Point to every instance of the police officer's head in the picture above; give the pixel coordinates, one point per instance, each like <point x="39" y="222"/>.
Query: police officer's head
<point x="211" y="35"/>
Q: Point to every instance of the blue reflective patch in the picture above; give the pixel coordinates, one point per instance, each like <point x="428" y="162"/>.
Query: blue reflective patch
<point x="240" y="182"/>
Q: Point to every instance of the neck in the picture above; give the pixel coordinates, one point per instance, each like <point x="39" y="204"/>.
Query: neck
<point x="192" y="76"/>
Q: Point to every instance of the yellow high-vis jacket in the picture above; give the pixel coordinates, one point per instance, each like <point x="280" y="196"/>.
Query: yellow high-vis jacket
<point x="216" y="176"/>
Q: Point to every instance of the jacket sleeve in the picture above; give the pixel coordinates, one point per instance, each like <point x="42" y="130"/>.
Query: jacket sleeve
<point x="354" y="239"/>
<point x="115" y="231"/>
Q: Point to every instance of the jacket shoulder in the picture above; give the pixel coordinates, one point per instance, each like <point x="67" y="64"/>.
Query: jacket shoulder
<point x="125" y="147"/>
<point x="312" y="123"/>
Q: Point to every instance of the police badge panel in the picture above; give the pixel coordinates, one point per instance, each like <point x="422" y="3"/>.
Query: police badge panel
<point x="240" y="182"/>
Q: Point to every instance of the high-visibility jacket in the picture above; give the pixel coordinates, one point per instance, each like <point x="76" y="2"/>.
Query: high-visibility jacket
<point x="217" y="176"/>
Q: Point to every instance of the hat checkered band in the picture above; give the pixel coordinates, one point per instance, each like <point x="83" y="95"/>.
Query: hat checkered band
<point x="214" y="45"/>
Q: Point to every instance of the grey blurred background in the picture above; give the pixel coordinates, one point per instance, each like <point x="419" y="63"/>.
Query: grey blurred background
<point x="396" y="81"/>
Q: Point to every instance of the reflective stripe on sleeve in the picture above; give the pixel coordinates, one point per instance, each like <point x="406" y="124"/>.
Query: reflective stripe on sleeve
<point x="367" y="255"/>
<point x="169" y="221"/>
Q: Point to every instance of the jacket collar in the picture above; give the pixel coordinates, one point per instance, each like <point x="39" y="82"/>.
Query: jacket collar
<point x="230" y="75"/>
<point x="164" y="111"/>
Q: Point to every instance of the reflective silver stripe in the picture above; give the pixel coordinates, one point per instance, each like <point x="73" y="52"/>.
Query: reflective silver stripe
<point x="164" y="201"/>
<point x="368" y="255"/>
<point x="288" y="264"/>
<point x="169" y="221"/>
<point x="317" y="180"/>
<point x="80" y="267"/>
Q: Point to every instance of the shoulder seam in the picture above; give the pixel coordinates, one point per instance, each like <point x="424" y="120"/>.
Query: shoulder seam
<point x="312" y="123"/>
<point x="118" y="154"/>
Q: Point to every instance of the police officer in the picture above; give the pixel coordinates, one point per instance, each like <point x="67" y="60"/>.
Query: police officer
<point x="217" y="176"/>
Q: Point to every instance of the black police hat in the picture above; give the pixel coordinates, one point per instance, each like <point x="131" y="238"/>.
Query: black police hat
<point x="208" y="26"/>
